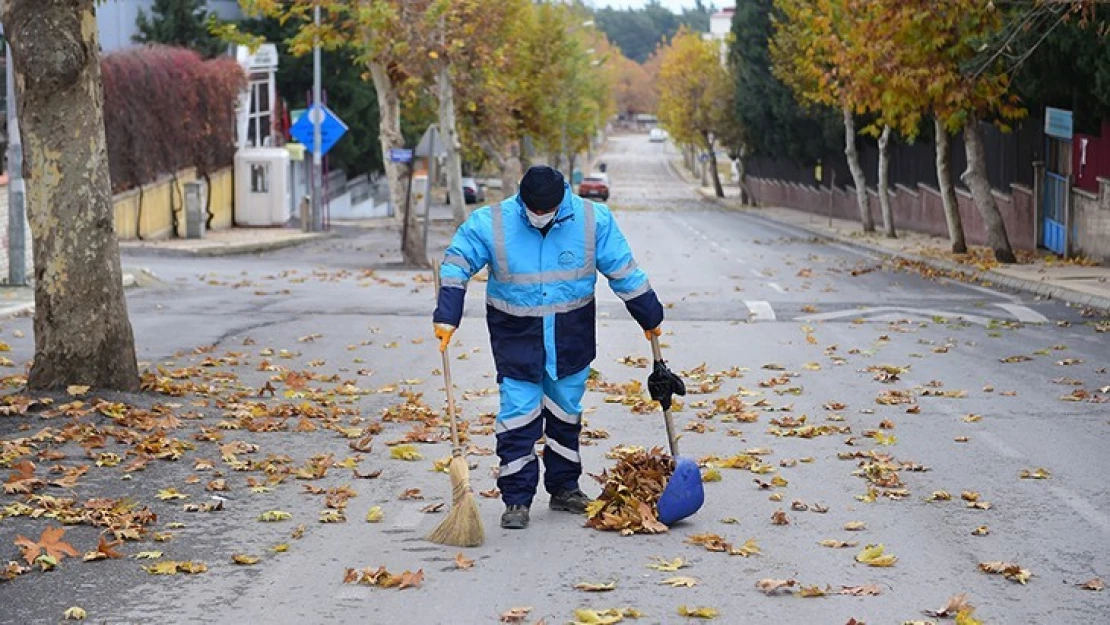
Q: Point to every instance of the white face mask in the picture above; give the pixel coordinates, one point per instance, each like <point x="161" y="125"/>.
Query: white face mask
<point x="540" y="221"/>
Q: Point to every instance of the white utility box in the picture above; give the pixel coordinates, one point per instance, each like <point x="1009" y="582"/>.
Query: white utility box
<point x="262" y="187"/>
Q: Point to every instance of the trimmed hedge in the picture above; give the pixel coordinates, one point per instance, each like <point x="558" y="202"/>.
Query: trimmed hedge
<point x="166" y="109"/>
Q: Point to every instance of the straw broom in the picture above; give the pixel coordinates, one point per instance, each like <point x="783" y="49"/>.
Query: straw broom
<point x="463" y="525"/>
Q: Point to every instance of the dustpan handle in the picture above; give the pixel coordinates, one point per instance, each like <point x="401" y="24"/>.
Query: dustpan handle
<point x="657" y="354"/>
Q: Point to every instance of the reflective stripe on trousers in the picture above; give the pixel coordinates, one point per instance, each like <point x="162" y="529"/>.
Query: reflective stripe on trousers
<point x="529" y="410"/>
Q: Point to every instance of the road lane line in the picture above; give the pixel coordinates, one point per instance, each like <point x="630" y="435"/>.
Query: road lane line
<point x="756" y="273"/>
<point x="760" y="311"/>
<point x="1023" y="314"/>
<point x="775" y="286"/>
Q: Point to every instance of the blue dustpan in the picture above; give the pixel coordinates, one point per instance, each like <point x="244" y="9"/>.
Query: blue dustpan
<point x="684" y="493"/>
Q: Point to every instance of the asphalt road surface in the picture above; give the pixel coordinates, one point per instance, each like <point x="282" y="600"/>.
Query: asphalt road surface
<point x="741" y="292"/>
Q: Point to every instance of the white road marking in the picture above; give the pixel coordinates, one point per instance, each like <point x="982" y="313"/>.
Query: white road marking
<point x="870" y="313"/>
<point x="760" y="311"/>
<point x="775" y="286"/>
<point x="756" y="273"/>
<point x="1023" y="314"/>
<point x="982" y="289"/>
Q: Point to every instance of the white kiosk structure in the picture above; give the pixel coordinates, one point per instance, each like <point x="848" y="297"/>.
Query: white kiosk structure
<point x="262" y="180"/>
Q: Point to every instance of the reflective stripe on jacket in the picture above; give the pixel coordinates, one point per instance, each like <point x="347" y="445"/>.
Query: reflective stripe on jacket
<point x="540" y="297"/>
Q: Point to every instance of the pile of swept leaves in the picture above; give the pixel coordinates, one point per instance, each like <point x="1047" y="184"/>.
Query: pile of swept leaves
<point x="629" y="493"/>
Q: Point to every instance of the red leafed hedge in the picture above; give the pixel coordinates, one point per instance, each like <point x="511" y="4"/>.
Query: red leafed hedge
<point x="166" y="109"/>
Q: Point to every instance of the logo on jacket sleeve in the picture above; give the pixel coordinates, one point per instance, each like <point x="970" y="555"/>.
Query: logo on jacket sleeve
<point x="568" y="259"/>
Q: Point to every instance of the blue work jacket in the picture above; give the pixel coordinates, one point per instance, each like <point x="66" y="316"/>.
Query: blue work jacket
<point x="540" y="304"/>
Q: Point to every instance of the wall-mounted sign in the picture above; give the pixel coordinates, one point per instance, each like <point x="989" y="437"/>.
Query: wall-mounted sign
<point x="1058" y="123"/>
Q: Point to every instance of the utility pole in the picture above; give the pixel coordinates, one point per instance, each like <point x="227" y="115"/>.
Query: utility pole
<point x="317" y="113"/>
<point x="17" y="241"/>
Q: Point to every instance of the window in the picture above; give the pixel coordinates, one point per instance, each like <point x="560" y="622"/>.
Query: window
<point x="260" y="118"/>
<point x="260" y="178"/>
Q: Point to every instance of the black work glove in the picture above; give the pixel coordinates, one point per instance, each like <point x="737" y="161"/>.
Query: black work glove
<point x="663" y="384"/>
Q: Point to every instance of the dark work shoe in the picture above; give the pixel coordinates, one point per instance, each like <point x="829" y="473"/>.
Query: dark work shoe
<point x="514" y="518"/>
<point x="570" y="501"/>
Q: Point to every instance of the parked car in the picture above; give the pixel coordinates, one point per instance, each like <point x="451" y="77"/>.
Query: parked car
<point x="595" y="185"/>
<point x="657" y="135"/>
<point x="473" y="192"/>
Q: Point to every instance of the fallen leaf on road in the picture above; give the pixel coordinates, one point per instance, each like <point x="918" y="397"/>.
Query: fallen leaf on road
<point x="148" y="555"/>
<point x="411" y="493"/>
<point x="1039" y="473"/>
<point x="780" y="518"/>
<point x="167" y="494"/>
<point x="664" y="565"/>
<point x="1095" y="584"/>
<point x="836" y="544"/>
<point x="50" y="544"/>
<point x="698" y="612"/>
<point x="492" y="493"/>
<point x="271" y="516"/>
<point x="374" y="514"/>
<point x="712" y="474"/>
<point x="982" y="530"/>
<point x="104" y="550"/>
<point x="583" y="616"/>
<point x="75" y="613"/>
<point x="939" y="495"/>
<point x="405" y="452"/>
<point x="515" y="615"/>
<point x="244" y="559"/>
<point x="382" y="578"/>
<point x="955" y="605"/>
<point x="861" y="591"/>
<point x="462" y="562"/>
<point x="872" y="555"/>
<point x="680" y="582"/>
<point x="1010" y="571"/>
<point x="76" y="390"/>
<point x="964" y="617"/>
<point x="811" y="591"/>
<point x="855" y="526"/>
<point x="595" y="586"/>
<point x="769" y="585"/>
<point x="432" y="508"/>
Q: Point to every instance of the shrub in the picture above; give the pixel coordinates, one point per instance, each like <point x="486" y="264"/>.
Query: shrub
<point x="166" y="109"/>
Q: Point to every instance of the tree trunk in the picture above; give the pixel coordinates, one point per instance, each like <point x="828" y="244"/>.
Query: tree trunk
<point x="883" y="183"/>
<point x="975" y="177"/>
<point x="389" y="135"/>
<point x="507" y="165"/>
<point x="718" y="189"/>
<point x="858" y="179"/>
<point x="82" y="332"/>
<point x="449" y="132"/>
<point x="947" y="190"/>
<point x="746" y="196"/>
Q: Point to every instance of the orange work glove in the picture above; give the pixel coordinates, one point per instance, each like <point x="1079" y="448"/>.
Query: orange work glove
<point x="656" y="331"/>
<point x="444" y="332"/>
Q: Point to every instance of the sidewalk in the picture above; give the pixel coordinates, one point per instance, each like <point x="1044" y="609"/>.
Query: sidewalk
<point x="17" y="300"/>
<point x="226" y="242"/>
<point x="1042" y="274"/>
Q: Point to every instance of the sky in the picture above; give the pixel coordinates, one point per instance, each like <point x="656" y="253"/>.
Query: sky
<point x="673" y="5"/>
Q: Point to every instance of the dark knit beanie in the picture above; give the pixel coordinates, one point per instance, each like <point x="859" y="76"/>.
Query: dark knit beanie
<point x="541" y="189"/>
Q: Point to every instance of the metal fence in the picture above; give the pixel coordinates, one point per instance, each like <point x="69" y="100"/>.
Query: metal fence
<point x="1010" y="158"/>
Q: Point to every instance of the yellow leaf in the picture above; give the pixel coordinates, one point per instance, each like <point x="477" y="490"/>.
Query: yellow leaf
<point x="272" y="516"/>
<point x="280" y="548"/>
<point x="702" y="612"/>
<point x="432" y="54"/>
<point x="1036" y="474"/>
<point x="74" y="390"/>
<point x="405" y="452"/>
<point x="167" y="494"/>
<point x="964" y="617"/>
<point x="596" y="586"/>
<point x="75" y="614"/>
<point x="242" y="558"/>
<point x="374" y="514"/>
<point x="148" y="555"/>
<point x="811" y="591"/>
<point x="680" y="582"/>
<point x="855" y="526"/>
<point x="872" y="555"/>
<point x="713" y="474"/>
<point x="661" y="564"/>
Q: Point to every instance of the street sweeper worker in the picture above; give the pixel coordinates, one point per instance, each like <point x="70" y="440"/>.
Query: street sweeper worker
<point x="545" y="247"/>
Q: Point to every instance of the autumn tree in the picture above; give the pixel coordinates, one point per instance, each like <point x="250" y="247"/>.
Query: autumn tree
<point x="695" y="93"/>
<point x="938" y="46"/>
<point x="82" y="332"/>
<point x="633" y="87"/>
<point x="810" y="52"/>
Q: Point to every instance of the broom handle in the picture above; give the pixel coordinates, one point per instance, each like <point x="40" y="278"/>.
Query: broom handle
<point x="456" y="447"/>
<point x="657" y="354"/>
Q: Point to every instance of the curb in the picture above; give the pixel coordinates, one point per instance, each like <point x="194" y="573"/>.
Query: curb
<point x="988" y="278"/>
<point x="230" y="249"/>
<point x="16" y="310"/>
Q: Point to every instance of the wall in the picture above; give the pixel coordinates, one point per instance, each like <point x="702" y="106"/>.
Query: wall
<point x="1097" y="155"/>
<point x="1091" y="216"/>
<point x="163" y="199"/>
<point x="918" y="210"/>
